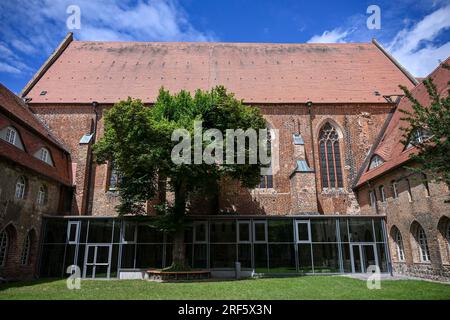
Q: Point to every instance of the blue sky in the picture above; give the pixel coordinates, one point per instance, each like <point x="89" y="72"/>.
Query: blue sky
<point x="416" y="32"/>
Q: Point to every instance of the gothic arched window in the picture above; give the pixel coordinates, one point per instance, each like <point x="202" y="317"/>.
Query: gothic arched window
<point x="424" y="251"/>
<point x="330" y="157"/>
<point x="400" y="247"/>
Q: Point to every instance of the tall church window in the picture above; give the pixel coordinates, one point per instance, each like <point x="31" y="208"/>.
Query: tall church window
<point x="113" y="176"/>
<point x="399" y="243"/>
<point x="266" y="180"/>
<point x="423" y="245"/>
<point x="20" y="188"/>
<point x="330" y="157"/>
<point x="26" y="249"/>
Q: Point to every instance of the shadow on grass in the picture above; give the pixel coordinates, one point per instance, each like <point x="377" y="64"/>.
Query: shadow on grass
<point x="27" y="283"/>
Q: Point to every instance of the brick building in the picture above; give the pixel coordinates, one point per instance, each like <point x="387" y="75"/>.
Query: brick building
<point x="35" y="180"/>
<point x="417" y="210"/>
<point x="327" y="101"/>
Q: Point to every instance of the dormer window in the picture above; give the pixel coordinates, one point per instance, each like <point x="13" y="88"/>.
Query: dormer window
<point x="10" y="135"/>
<point x="44" y="155"/>
<point x="375" y="162"/>
<point x="418" y="136"/>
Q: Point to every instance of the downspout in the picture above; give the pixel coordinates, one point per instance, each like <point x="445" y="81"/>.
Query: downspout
<point x="89" y="188"/>
<point x="309" y="105"/>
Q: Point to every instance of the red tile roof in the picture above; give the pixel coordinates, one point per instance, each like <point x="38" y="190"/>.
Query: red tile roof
<point x="34" y="135"/>
<point x="16" y="106"/>
<point x="106" y="72"/>
<point x="390" y="147"/>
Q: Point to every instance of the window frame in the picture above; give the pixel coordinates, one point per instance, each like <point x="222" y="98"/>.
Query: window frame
<point x="123" y="233"/>
<point x="238" y="234"/>
<point x="26" y="250"/>
<point x="394" y="187"/>
<point x="422" y="241"/>
<point x="264" y="182"/>
<point x="20" y="190"/>
<point x="308" y="223"/>
<point x="375" y="162"/>
<point x="77" y="224"/>
<point x="264" y="222"/>
<point x="112" y="172"/>
<point x="329" y="143"/>
<point x="10" y="130"/>
<point x="382" y="193"/>
<point x="399" y="246"/>
<point x="42" y="195"/>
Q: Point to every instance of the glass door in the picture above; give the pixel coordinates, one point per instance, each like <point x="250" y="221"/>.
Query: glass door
<point x="97" y="261"/>
<point x="363" y="256"/>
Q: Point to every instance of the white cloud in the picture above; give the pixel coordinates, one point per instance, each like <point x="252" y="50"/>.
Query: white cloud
<point x="334" y="36"/>
<point x="4" y="67"/>
<point x="36" y="27"/>
<point x="413" y="47"/>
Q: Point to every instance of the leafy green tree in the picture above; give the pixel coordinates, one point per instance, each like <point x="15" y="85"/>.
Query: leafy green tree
<point x="138" y="139"/>
<point x="429" y="130"/>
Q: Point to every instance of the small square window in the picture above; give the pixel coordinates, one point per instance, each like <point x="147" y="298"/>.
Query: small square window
<point x="72" y="232"/>
<point x="244" y="231"/>
<point x="260" y="231"/>
<point x="303" y="232"/>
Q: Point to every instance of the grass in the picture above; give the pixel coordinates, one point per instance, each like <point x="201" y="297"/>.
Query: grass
<point x="298" y="288"/>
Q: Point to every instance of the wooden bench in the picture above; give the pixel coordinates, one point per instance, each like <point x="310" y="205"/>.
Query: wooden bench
<point x="160" y="275"/>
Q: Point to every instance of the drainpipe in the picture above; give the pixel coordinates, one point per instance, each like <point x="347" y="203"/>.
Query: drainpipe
<point x="89" y="191"/>
<point x="309" y="104"/>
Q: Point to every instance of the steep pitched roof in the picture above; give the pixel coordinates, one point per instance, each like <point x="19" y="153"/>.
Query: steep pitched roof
<point x="82" y="72"/>
<point x="390" y="147"/>
<point x="33" y="135"/>
<point x="17" y="107"/>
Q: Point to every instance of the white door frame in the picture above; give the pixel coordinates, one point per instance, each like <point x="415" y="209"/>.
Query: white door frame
<point x="360" y="245"/>
<point x="94" y="263"/>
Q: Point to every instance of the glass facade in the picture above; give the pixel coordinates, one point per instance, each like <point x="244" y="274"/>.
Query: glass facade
<point x="104" y="247"/>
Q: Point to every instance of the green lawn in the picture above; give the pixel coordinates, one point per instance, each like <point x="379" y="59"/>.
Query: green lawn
<point x="309" y="287"/>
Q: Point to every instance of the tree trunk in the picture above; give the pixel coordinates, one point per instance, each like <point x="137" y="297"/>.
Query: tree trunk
<point x="178" y="251"/>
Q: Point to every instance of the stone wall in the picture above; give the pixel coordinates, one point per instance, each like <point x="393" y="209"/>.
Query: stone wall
<point x="429" y="209"/>
<point x="21" y="216"/>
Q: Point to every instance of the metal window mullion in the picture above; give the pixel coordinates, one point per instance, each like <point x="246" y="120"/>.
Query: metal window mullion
<point x="339" y="243"/>
<point x="336" y="184"/>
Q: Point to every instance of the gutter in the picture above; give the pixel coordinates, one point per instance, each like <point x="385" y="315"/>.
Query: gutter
<point x="89" y="187"/>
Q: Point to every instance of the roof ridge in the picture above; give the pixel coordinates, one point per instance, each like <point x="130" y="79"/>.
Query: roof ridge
<point x="227" y="43"/>
<point x="395" y="62"/>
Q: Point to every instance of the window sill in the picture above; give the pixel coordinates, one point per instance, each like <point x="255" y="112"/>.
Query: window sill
<point x="263" y="191"/>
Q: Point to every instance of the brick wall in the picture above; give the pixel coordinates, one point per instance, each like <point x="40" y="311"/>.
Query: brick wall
<point x="431" y="210"/>
<point x="19" y="217"/>
<point x="358" y="125"/>
<point x="70" y="123"/>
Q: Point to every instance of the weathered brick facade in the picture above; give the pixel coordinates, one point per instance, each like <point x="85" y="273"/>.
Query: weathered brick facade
<point x="293" y="75"/>
<point x="21" y="217"/>
<point x="430" y="209"/>
<point x="411" y="201"/>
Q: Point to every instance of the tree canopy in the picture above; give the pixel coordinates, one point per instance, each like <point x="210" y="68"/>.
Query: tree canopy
<point x="139" y="139"/>
<point x="429" y="130"/>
